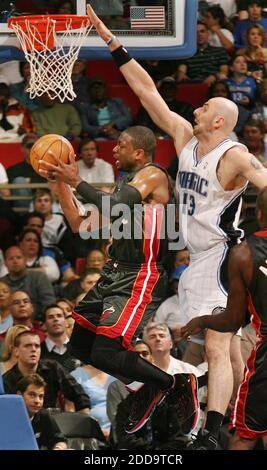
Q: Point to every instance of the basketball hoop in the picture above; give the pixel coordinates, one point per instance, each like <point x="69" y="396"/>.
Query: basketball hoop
<point x="51" y="45"/>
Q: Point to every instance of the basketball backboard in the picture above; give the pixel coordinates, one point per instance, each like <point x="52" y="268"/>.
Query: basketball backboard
<point x="150" y="29"/>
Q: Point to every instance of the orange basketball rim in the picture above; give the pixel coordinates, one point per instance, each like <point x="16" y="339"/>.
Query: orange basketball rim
<point x="51" y="44"/>
<point x="41" y="29"/>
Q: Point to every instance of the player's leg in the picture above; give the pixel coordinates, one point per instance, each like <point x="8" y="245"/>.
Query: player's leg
<point x="209" y="293"/>
<point x="237" y="364"/>
<point x="86" y="316"/>
<point x="249" y="416"/>
<point x="122" y="323"/>
<point x="220" y="382"/>
<point x="220" y="387"/>
<point x="151" y="384"/>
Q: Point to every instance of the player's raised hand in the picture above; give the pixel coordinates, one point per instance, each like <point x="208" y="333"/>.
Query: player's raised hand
<point x="65" y="172"/>
<point x="102" y="29"/>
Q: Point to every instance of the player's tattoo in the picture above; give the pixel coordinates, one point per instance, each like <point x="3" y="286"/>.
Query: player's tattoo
<point x="255" y="163"/>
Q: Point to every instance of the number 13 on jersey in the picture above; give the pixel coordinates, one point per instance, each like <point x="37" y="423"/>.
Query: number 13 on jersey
<point x="189" y="202"/>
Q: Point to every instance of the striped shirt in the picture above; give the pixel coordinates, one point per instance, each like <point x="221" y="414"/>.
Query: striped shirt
<point x="206" y="62"/>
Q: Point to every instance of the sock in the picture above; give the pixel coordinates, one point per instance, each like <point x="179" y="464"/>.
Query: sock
<point x="213" y="423"/>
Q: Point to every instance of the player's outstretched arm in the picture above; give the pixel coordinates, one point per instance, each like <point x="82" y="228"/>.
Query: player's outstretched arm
<point x="254" y="171"/>
<point x="246" y="165"/>
<point x="144" y="87"/>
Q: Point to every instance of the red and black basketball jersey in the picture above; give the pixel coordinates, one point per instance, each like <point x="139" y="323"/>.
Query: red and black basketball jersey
<point x="258" y="289"/>
<point x="144" y="237"/>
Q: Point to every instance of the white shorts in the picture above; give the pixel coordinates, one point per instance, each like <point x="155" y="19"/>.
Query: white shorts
<point x="202" y="285"/>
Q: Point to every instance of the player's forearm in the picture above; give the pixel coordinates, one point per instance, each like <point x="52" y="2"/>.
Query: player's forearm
<point x="222" y="322"/>
<point x="141" y="83"/>
<point x="127" y="195"/>
<point x="68" y="206"/>
<point x="137" y="78"/>
<point x="255" y="172"/>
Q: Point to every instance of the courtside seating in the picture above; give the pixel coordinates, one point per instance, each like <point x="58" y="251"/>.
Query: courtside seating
<point x="106" y="69"/>
<point x="16" y="431"/>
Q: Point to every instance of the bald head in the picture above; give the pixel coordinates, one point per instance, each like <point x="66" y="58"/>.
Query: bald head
<point x="226" y="109"/>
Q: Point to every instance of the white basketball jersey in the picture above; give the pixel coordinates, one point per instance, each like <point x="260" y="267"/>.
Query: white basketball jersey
<point x="208" y="213"/>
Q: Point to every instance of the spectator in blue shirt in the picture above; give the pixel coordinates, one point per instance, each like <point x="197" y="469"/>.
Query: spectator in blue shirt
<point x="242" y="87"/>
<point x="104" y="117"/>
<point x="254" y="16"/>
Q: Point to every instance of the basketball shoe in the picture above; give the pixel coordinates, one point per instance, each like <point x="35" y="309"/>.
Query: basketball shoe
<point x="204" y="441"/>
<point x="183" y="398"/>
<point x="182" y="394"/>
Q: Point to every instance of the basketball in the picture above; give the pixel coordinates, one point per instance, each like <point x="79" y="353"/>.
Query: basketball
<point x="46" y="146"/>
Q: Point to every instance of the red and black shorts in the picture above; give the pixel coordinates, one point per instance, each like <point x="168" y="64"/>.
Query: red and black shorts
<point x="123" y="301"/>
<point x="249" y="416"/>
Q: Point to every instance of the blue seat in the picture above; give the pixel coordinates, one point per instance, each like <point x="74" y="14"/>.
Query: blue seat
<point x="16" y="431"/>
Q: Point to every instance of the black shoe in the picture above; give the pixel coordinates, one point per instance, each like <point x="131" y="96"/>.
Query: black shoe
<point x="144" y="403"/>
<point x="183" y="398"/>
<point x="204" y="441"/>
<point x="182" y="395"/>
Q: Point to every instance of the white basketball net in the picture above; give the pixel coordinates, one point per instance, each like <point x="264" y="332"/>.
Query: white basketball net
<point x="51" y="69"/>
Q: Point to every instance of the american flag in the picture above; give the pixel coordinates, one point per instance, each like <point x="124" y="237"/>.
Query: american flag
<point x="147" y="17"/>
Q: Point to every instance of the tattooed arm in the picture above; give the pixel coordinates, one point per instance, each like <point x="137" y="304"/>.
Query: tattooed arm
<point x="246" y="165"/>
<point x="255" y="172"/>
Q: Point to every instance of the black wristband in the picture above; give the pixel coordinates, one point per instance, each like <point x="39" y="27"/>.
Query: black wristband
<point x="121" y="56"/>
